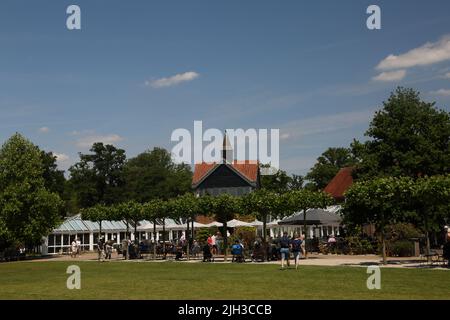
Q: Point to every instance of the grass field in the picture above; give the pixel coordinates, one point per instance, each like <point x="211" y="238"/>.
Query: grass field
<point x="172" y="280"/>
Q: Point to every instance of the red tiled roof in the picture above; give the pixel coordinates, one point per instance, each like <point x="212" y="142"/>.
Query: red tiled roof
<point x="340" y="183"/>
<point x="247" y="168"/>
<point x="201" y="170"/>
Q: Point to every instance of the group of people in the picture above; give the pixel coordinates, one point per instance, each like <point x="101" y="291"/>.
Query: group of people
<point x="296" y="245"/>
<point x="104" y="249"/>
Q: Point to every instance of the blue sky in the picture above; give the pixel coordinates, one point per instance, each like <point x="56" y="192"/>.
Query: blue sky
<point x="311" y="69"/>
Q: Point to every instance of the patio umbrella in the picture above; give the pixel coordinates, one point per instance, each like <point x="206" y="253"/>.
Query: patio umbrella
<point x="314" y="217"/>
<point x="256" y="223"/>
<point x="237" y="223"/>
<point x="214" y="224"/>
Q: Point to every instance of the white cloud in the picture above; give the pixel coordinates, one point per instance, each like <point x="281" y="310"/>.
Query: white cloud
<point x="88" y="140"/>
<point x="441" y="92"/>
<point x="173" y="80"/>
<point x="447" y="75"/>
<point x="390" y="76"/>
<point x="44" y="130"/>
<point x="61" y="157"/>
<point x="427" y="54"/>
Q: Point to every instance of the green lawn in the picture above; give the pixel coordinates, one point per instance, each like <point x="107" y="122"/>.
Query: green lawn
<point x="172" y="280"/>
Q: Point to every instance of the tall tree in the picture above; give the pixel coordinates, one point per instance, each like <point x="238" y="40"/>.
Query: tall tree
<point x="277" y="182"/>
<point x="98" y="177"/>
<point x="54" y="179"/>
<point x="408" y="137"/>
<point x="153" y="174"/>
<point x="328" y="164"/>
<point x="28" y="211"/>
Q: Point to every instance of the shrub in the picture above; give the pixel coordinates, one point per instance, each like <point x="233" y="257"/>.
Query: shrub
<point x="402" y="248"/>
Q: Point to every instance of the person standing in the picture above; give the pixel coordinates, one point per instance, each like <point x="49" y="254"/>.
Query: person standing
<point x="214" y="244"/>
<point x="296" y="245"/>
<point x="285" y="244"/>
<point x="101" y="250"/>
<point x="125" y="248"/>
<point x="78" y="242"/>
<point x="73" y="251"/>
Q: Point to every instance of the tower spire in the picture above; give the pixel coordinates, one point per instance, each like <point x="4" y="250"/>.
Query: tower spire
<point x="227" y="149"/>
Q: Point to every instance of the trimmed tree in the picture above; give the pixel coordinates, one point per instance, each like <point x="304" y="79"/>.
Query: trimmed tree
<point x="302" y="200"/>
<point x="380" y="202"/>
<point x="263" y="203"/>
<point x="154" y="210"/>
<point x="224" y="207"/>
<point x="431" y="200"/>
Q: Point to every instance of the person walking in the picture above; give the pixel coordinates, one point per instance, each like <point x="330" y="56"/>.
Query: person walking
<point x="101" y="250"/>
<point x="296" y="245"/>
<point x="285" y="244"/>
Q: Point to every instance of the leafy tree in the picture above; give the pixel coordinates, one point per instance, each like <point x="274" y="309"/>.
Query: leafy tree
<point x="296" y="183"/>
<point x="380" y="202"/>
<point x="302" y="200"/>
<point x="186" y="207"/>
<point x="155" y="210"/>
<point x="263" y="204"/>
<point x="224" y="207"/>
<point x="99" y="213"/>
<point x="431" y="201"/>
<point x="54" y="179"/>
<point x="153" y="174"/>
<point x="328" y="164"/>
<point x="130" y="211"/>
<point x="28" y="211"/>
<point x="98" y="177"/>
<point x="409" y="137"/>
<point x="277" y="182"/>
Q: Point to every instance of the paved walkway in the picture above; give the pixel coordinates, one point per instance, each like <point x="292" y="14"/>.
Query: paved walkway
<point x="313" y="260"/>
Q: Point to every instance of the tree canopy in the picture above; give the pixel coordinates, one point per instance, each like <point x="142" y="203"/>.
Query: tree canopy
<point x="28" y="210"/>
<point x="328" y="164"/>
<point x="408" y="137"/>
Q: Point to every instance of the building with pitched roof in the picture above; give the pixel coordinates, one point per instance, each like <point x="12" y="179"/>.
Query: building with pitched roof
<point x="340" y="183"/>
<point x="228" y="176"/>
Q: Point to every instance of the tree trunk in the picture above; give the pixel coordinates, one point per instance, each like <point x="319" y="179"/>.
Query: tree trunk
<point x="383" y="240"/>
<point x="100" y="230"/>
<point x="127" y="257"/>
<point x="192" y="230"/>
<point x="164" y="237"/>
<point x="305" y="230"/>
<point x="135" y="229"/>
<point x="187" y="240"/>
<point x="225" y="242"/>
<point x="154" y="239"/>
<point x="264" y="236"/>
<point x="428" y="246"/>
